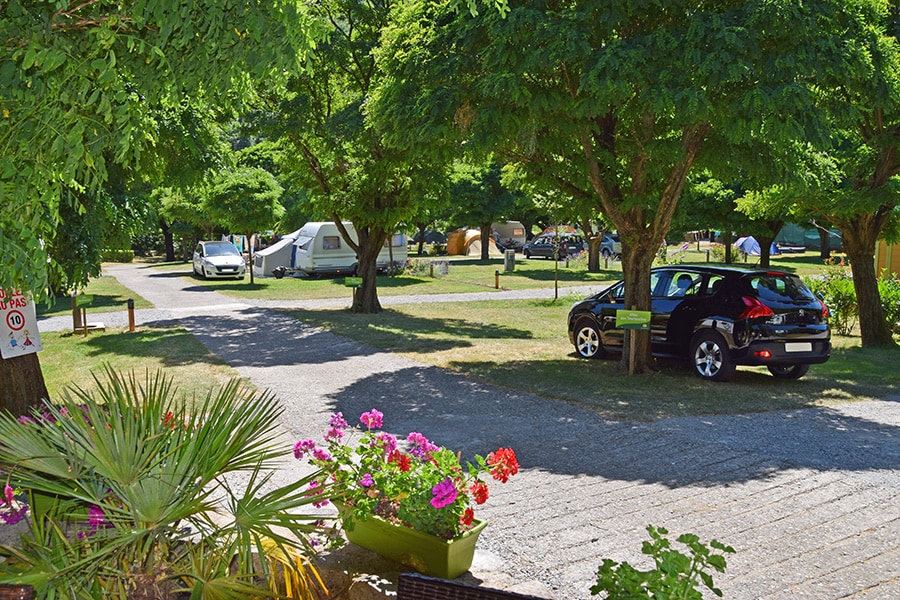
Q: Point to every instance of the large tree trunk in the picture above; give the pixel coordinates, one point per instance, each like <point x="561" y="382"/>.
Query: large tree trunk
<point x="824" y="243"/>
<point x="765" y="242"/>
<point x="22" y="383"/>
<point x="594" y="239"/>
<point x="168" y="241"/>
<point x="485" y="240"/>
<point x="365" y="297"/>
<point x="727" y="238"/>
<point x="638" y="253"/>
<point x="860" y="236"/>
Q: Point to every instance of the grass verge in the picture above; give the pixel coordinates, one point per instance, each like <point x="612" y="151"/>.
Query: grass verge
<point x="523" y="345"/>
<point x="70" y="358"/>
<point x="109" y="295"/>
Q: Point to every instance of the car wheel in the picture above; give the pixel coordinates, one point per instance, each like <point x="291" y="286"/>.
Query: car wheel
<point x="527" y="254"/>
<point x="203" y="274"/>
<point x="587" y="339"/>
<point x="788" y="371"/>
<point x="711" y="357"/>
<point x="606" y="254"/>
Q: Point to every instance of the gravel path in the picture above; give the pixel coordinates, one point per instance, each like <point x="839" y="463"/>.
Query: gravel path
<point x="810" y="499"/>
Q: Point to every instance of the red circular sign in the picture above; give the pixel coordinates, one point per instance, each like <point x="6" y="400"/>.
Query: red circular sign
<point x="15" y="320"/>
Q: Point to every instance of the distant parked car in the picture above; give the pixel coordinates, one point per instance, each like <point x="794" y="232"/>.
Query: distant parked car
<point x="610" y="246"/>
<point x="718" y="318"/>
<point x="218" y="259"/>
<point x="547" y="246"/>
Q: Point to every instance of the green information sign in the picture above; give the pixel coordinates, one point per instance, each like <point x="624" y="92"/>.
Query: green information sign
<point x="84" y="299"/>
<point x="353" y="281"/>
<point x="633" y="319"/>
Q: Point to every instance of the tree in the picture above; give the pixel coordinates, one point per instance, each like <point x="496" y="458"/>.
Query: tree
<point x="855" y="179"/>
<point x="78" y="82"/>
<point x="245" y="200"/>
<point x="342" y="160"/>
<point x="618" y="100"/>
<point x="480" y="198"/>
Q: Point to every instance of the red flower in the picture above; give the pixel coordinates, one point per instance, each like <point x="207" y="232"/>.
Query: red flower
<point x="401" y="459"/>
<point x="467" y="517"/>
<point x="480" y="492"/>
<point x="503" y="464"/>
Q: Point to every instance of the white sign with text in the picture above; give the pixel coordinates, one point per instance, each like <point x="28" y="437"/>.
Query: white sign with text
<point x="19" y="333"/>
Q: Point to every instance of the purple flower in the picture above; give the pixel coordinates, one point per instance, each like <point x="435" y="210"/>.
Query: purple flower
<point x="320" y="454"/>
<point x="337" y="421"/>
<point x="421" y="446"/>
<point x="302" y="447"/>
<point x="444" y="494"/>
<point x="367" y="480"/>
<point x="372" y="419"/>
<point x="96" y="516"/>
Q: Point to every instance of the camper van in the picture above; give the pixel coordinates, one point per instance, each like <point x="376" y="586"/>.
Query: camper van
<point x="320" y="249"/>
<point x="510" y="235"/>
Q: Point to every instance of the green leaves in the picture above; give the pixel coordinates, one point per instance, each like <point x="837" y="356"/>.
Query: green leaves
<point x="676" y="576"/>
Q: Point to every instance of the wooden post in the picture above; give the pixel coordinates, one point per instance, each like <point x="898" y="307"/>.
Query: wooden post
<point x="130" y="314"/>
<point x="497" y="280"/>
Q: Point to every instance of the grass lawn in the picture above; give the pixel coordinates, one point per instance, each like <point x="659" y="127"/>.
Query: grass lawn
<point x="109" y="295"/>
<point x="464" y="275"/>
<point x="70" y="358"/>
<point x="523" y="345"/>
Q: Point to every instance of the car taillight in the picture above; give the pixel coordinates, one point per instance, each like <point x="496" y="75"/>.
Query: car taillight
<point x="825" y="312"/>
<point x="755" y="309"/>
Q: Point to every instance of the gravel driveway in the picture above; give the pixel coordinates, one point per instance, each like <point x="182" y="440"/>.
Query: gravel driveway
<point x="810" y="499"/>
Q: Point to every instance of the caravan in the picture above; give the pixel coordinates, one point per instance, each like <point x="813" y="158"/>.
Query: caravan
<point x="320" y="249"/>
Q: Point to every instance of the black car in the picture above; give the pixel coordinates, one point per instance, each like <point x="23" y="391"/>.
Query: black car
<point x="717" y="317"/>
<point x="547" y="245"/>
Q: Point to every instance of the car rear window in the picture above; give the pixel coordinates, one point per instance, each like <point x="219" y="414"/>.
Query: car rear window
<point x="780" y="287"/>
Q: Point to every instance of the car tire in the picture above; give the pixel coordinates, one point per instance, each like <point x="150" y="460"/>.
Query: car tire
<point x="606" y="254"/>
<point x="711" y="357"/>
<point x="203" y="274"/>
<point x="527" y="254"/>
<point x="788" y="371"/>
<point x="587" y="339"/>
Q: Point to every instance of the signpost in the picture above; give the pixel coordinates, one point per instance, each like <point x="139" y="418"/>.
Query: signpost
<point x="635" y="320"/>
<point x="19" y="333"/>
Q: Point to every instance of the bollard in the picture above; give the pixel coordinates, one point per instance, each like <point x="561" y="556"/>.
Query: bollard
<point x="497" y="280"/>
<point x="431" y="270"/>
<point x="130" y="314"/>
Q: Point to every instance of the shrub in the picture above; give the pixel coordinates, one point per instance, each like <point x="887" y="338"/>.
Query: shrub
<point x="133" y="489"/>
<point x="118" y="255"/>
<point x="889" y="290"/>
<point x="835" y="287"/>
<point x="676" y="575"/>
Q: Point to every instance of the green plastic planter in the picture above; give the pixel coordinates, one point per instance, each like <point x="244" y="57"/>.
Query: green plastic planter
<point x="427" y="554"/>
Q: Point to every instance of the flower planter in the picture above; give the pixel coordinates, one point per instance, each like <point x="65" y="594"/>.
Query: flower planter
<point x="426" y="553"/>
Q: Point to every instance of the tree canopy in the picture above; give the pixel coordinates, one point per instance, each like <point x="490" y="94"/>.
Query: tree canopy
<point x="80" y="80"/>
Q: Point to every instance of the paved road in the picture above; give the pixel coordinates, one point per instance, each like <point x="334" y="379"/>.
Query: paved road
<point x="810" y="499"/>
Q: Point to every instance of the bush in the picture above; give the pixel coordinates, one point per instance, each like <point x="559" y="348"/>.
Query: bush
<point x="889" y="290"/>
<point x="133" y="489"/>
<point x="676" y="575"/>
<point x="835" y="287"/>
<point x="118" y="255"/>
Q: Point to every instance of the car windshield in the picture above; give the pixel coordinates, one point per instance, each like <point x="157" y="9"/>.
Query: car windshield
<point x="779" y="287"/>
<point x="221" y="250"/>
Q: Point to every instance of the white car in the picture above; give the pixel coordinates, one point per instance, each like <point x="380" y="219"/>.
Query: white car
<point x="218" y="259"/>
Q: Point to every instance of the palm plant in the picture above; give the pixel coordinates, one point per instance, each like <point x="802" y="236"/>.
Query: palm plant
<point x="138" y="493"/>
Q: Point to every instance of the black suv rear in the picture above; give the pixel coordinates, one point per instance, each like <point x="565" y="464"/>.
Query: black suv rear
<point x="717" y="317"/>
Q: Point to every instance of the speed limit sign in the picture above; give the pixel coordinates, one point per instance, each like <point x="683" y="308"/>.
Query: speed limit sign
<point x="19" y="333"/>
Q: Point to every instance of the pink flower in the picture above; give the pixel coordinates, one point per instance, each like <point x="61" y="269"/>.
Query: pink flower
<point x="385" y="441"/>
<point x="372" y="419"/>
<point x="367" y="480"/>
<point x="444" y="494"/>
<point x="8" y="494"/>
<point x="302" y="447"/>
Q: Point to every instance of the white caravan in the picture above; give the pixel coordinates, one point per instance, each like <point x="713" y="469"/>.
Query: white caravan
<point x="320" y="249"/>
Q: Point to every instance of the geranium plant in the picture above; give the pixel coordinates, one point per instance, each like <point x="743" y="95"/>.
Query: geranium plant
<point x="413" y="482"/>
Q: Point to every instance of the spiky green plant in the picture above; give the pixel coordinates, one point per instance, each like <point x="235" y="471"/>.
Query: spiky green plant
<point x="140" y="493"/>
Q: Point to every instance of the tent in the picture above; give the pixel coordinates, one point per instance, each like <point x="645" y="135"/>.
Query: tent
<point x="748" y="245"/>
<point x="278" y="254"/>
<point x="468" y="242"/>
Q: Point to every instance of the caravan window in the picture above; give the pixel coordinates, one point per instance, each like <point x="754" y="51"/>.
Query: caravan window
<point x="303" y="242"/>
<point x="396" y="240"/>
<point x="331" y="242"/>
